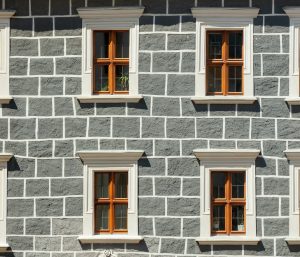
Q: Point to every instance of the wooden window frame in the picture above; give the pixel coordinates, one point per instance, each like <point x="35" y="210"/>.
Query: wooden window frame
<point x="111" y="61"/>
<point x="111" y="200"/>
<point x="228" y="201"/>
<point x="225" y="62"/>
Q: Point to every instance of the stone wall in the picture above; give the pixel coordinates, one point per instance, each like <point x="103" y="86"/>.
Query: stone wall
<point x="45" y="125"/>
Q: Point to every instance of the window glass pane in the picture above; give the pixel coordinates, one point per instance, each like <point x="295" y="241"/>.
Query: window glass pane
<point x="122" y="44"/>
<point x="215" y="45"/>
<point x="101" y="44"/>
<point x="238" y="218"/>
<point x="219" y="180"/>
<point x="102" y="217"/>
<point x="121" y="216"/>
<point x="237" y="180"/>
<point x="122" y="78"/>
<point x="101" y="78"/>
<point x="102" y="182"/>
<point x="235" y="45"/>
<point x="235" y="78"/>
<point x="218" y="218"/>
<point x="214" y="79"/>
<point x="121" y="185"/>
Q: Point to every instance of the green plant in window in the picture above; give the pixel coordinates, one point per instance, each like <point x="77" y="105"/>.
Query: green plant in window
<point x="124" y="80"/>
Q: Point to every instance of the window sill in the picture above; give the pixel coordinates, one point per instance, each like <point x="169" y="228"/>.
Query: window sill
<point x="5" y="99"/>
<point x="110" y="239"/>
<point x="228" y="240"/>
<point x="293" y="240"/>
<point x="293" y="100"/>
<point x="3" y="247"/>
<point x="224" y="100"/>
<point x="110" y="99"/>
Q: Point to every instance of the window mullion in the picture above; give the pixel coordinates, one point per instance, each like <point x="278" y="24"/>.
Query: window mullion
<point x="111" y="209"/>
<point x="227" y="210"/>
<point x="111" y="57"/>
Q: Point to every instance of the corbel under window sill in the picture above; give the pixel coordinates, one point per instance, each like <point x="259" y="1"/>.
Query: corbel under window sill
<point x="293" y="240"/>
<point x="3" y="247"/>
<point x="110" y="99"/>
<point x="5" y="99"/>
<point x="293" y="100"/>
<point x="110" y="239"/>
<point x="228" y="240"/>
<point x="224" y="99"/>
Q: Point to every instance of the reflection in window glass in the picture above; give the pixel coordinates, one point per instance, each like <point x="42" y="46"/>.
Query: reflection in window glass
<point x="235" y="45"/>
<point x="102" y="217"/>
<point x="219" y="180"/>
<point x="122" y="44"/>
<point x="121" y="185"/>
<point x="120" y="216"/>
<point x="235" y="78"/>
<point x="102" y="44"/>
<point x="102" y="183"/>
<point x="101" y="77"/>
<point x="237" y="187"/>
<point x="215" y="45"/>
<point x="218" y="218"/>
<point x="214" y="78"/>
<point x="122" y="78"/>
<point x="238" y="218"/>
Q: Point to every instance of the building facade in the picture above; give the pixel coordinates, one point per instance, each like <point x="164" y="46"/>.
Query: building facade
<point x="149" y="128"/>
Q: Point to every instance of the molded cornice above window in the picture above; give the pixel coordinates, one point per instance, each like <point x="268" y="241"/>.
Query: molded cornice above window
<point x="5" y="157"/>
<point x="292" y="11"/>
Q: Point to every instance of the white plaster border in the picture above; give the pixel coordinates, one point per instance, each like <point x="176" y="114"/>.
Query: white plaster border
<point x="98" y="161"/>
<point x="227" y="160"/>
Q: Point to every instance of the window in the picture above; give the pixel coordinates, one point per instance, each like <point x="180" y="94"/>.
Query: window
<point x="4" y="158"/>
<point x="110" y="197"/>
<point x="5" y="16"/>
<point x="110" y="54"/>
<point x="228" y="204"/>
<point x="224" y="49"/>
<point x="294" y="89"/>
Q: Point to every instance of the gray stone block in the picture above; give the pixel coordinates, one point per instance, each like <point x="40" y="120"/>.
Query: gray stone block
<point x="181" y="42"/>
<point x="50" y="128"/>
<point x="64" y="148"/>
<point x="149" y="206"/>
<point x="23" y="86"/>
<point x="266" y="44"/>
<point x="183" y="167"/>
<point x="37" y="254"/>
<point x="167" y="147"/>
<point x="40" y="148"/>
<point x="52" y="46"/>
<point x="68" y="66"/>
<point x="16" y="107"/>
<point x="37" y="226"/>
<point x="275" y="65"/>
<point x="150" y="244"/>
<point x="222" y="110"/>
<point x="142" y="108"/>
<point x="145" y="186"/>
<point x="276" y="186"/>
<point x="263" y="248"/>
<point x="288" y="129"/>
<point x="99" y="127"/>
<point x="3" y="128"/>
<point x="23" y="47"/>
<point x="284" y="86"/>
<point x="110" y="109"/>
<point x="154" y="42"/>
<point x="167" y="186"/>
<point x="59" y="8"/>
<point x="154" y="6"/>
<point x="275" y="107"/>
<point x="18" y="66"/>
<point x="74" y="206"/>
<point x="168" y="227"/>
<point x="188" y="146"/>
<point x="164" y="106"/>
<point x="66" y="226"/>
<point x="194" y="248"/>
<point x="72" y="244"/>
<point x="144" y="62"/>
<point x="15" y="187"/>
<point x="22" y="128"/>
<point x="264" y="6"/>
<point x="263" y="128"/>
<point x="73" y="86"/>
<point x="177" y="6"/>
<point x="14" y="226"/>
<point x="16" y="147"/>
<point x="21" y="167"/>
<point x="285" y="43"/>
<point x="152" y="84"/>
<point x="102" y="3"/>
<point x="237" y="128"/>
<point x="181" y="85"/>
<point x="21" y="243"/>
<point x="256" y="65"/>
<point x="209" y="127"/>
<point x="283" y="168"/>
<point x="191" y="187"/>
<point x="145" y="226"/>
<point x="181" y="128"/>
<point x="40" y="106"/>
<point x="274" y="148"/>
<point x="283" y="249"/>
<point x="51" y="86"/>
<point x="258" y="186"/>
<point x="252" y="110"/>
<point x="152" y="167"/>
<point x="73" y="167"/>
<point x="68" y="26"/>
<point x="43" y="27"/>
<point x="20" y="207"/>
<point x="188" y="62"/>
<point x="112" y="144"/>
<point x="265" y="166"/>
<point x="37" y="187"/>
<point x="21" y="6"/>
<point x="228" y="250"/>
<point x="277" y="24"/>
<point x="145" y="145"/>
<point x="222" y="144"/>
<point x="47" y="244"/>
<point x="266" y="86"/>
<point x="21" y="27"/>
<point x="63" y="106"/>
<point x="191" y="109"/>
<point x="146" y="23"/>
<point x="39" y="7"/>
<point x="248" y="144"/>
<point x="84" y="109"/>
<point x="86" y="145"/>
<point x="49" y="168"/>
<point x="166" y="62"/>
<point x="167" y="23"/>
<point x="49" y="207"/>
<point x="172" y="245"/>
<point x="66" y="186"/>
<point x="191" y="227"/>
<point x="184" y="206"/>
<point x="126" y="127"/>
<point x="285" y="206"/>
<point x="267" y="206"/>
<point x="75" y="127"/>
<point x="234" y="3"/>
<point x="258" y="24"/>
<point x="276" y="227"/>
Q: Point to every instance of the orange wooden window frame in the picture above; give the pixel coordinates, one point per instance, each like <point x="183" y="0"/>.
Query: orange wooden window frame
<point x="111" y="200"/>
<point x="225" y="62"/>
<point x="111" y="61"/>
<point x="228" y="202"/>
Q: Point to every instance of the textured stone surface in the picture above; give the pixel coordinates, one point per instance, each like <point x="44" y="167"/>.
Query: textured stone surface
<point x="126" y="127"/>
<point x="181" y="42"/>
<point x="68" y="65"/>
<point x="181" y="85"/>
<point x="266" y="86"/>
<point x="153" y="84"/>
<point x="237" y="128"/>
<point x="164" y="23"/>
<point x="49" y="207"/>
<point x="167" y="186"/>
<point x="66" y="186"/>
<point x="23" y="86"/>
<point x="266" y="44"/>
<point x="169" y="245"/>
<point x="22" y="128"/>
<point x="40" y="148"/>
<point x="37" y="187"/>
<point x="163" y="106"/>
<point x="15" y="188"/>
<point x="50" y="47"/>
<point x="40" y="106"/>
<point x="276" y="186"/>
<point x="167" y="147"/>
<point x="276" y="227"/>
<point x="50" y="128"/>
<point x="167" y="227"/>
<point x="24" y="47"/>
<point x="149" y="206"/>
<point x="263" y="128"/>
<point x="152" y="41"/>
<point x="166" y="62"/>
<point x="181" y="128"/>
<point x="275" y="65"/>
<point x="267" y="206"/>
<point x="152" y="167"/>
<point x="19" y="207"/>
<point x="38" y="226"/>
<point x="183" y="167"/>
<point x="209" y="128"/>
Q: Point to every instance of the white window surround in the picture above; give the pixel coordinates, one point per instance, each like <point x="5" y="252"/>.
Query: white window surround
<point x="294" y="220"/>
<point x="111" y="161"/>
<point x="227" y="160"/>
<point x="294" y="92"/>
<point x="4" y="158"/>
<point x="5" y="16"/>
<point x="115" y="18"/>
<point x="224" y="19"/>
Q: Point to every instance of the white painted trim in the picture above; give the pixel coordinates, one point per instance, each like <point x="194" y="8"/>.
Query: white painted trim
<point x="224" y="100"/>
<point x="110" y="239"/>
<point x="294" y="14"/>
<point x="226" y="160"/>
<point x="110" y="99"/>
<point x="224" y="19"/>
<point x="4" y="158"/>
<point x="228" y="240"/>
<point x="5" y="16"/>
<point x="293" y="100"/>
<point x="112" y="161"/>
<point x="293" y="240"/>
<point x="119" y="18"/>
